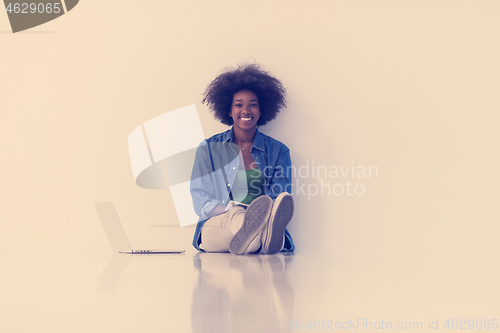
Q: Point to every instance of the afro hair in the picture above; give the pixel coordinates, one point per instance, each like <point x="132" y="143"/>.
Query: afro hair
<point x="269" y="90"/>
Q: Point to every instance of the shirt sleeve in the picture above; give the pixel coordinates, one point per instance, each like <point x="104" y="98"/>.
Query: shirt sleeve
<point x="202" y="185"/>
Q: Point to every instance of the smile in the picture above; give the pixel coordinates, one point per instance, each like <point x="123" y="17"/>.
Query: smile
<point x="246" y="119"/>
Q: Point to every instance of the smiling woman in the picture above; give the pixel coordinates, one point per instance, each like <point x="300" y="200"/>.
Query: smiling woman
<point x="241" y="208"/>
<point x="245" y="111"/>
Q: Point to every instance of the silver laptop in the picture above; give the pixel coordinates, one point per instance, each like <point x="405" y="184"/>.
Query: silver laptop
<point x="116" y="235"/>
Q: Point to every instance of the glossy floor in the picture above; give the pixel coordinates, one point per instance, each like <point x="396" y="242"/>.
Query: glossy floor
<point x="200" y="292"/>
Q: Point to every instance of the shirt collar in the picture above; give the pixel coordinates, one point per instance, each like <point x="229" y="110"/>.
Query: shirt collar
<point x="258" y="142"/>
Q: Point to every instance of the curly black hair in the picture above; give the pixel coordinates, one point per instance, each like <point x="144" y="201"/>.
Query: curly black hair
<point x="269" y="90"/>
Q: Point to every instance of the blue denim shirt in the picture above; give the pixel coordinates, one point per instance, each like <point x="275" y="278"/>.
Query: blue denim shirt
<point x="216" y="165"/>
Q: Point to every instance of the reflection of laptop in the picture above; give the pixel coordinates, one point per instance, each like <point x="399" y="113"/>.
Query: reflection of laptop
<point x="114" y="230"/>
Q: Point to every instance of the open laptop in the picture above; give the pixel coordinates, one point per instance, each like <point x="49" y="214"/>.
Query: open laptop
<point x="116" y="235"/>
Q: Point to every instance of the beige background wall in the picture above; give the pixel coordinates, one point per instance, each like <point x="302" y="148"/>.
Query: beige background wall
<point x="408" y="86"/>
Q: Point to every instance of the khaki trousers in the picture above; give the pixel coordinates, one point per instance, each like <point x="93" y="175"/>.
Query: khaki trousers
<point x="218" y="231"/>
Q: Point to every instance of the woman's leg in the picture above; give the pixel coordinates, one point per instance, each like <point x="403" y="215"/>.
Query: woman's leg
<point x="237" y="231"/>
<point x="219" y="230"/>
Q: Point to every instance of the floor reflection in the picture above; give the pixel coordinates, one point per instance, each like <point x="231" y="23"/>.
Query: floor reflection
<point x="248" y="293"/>
<point x="110" y="277"/>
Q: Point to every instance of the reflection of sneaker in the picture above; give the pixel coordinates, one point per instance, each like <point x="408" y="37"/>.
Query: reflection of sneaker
<point x="280" y="216"/>
<point x="256" y="217"/>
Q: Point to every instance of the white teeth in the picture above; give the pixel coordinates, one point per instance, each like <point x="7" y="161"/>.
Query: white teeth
<point x="246" y="119"/>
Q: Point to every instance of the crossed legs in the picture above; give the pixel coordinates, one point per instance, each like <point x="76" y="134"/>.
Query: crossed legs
<point x="259" y="227"/>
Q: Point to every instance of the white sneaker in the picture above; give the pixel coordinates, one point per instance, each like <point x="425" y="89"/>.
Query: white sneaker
<point x="281" y="215"/>
<point x="256" y="217"/>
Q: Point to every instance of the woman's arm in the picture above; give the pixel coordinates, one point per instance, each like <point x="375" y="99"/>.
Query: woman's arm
<point x="202" y="185"/>
<point x="219" y="209"/>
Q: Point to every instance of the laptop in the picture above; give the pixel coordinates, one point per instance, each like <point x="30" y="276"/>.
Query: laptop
<point x="116" y="235"/>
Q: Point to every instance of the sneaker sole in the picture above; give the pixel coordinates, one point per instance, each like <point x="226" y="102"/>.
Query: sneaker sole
<point x="256" y="216"/>
<point x="278" y="223"/>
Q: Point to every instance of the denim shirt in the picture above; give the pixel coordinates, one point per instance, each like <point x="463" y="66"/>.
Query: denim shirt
<point x="216" y="165"/>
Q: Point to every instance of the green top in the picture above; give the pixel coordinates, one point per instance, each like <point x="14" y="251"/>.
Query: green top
<point x="247" y="186"/>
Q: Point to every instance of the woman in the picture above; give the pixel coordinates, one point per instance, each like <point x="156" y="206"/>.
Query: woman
<point x="243" y="165"/>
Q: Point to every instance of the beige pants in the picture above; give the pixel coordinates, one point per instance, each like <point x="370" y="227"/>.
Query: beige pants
<point x="218" y="231"/>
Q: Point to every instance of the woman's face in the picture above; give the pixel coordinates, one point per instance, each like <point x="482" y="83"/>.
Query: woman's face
<point x="245" y="110"/>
